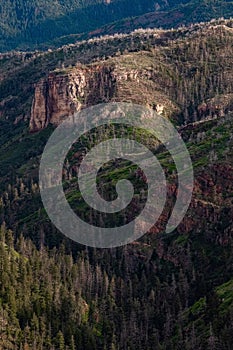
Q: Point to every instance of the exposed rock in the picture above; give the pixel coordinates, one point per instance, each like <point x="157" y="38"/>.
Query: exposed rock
<point x="64" y="93"/>
<point x="216" y="107"/>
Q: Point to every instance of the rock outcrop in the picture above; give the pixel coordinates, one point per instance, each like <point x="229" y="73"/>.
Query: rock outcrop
<point x="65" y="92"/>
<point x="216" y="107"/>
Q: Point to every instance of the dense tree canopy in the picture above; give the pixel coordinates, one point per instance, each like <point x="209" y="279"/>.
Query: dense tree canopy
<point x="28" y="24"/>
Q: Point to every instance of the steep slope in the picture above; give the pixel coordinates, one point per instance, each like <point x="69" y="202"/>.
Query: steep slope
<point x="31" y="22"/>
<point x="180" y="14"/>
<point x="166" y="291"/>
<point x="63" y="93"/>
<point x="36" y="24"/>
<point x="164" y="76"/>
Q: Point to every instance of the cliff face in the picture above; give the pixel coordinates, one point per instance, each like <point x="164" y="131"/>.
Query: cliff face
<point x="64" y="93"/>
<point x="185" y="75"/>
<point x="60" y="95"/>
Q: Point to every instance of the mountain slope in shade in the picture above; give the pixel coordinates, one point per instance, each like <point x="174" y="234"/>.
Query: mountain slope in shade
<point x="184" y="14"/>
<point x="25" y="23"/>
<point x="36" y="24"/>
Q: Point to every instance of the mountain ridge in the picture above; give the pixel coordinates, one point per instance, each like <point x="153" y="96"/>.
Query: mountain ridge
<point x="96" y="14"/>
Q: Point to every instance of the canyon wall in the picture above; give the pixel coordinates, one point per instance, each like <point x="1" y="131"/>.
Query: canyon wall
<point x="65" y="92"/>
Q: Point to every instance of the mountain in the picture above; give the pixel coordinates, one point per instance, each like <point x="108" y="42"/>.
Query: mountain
<point x="35" y="24"/>
<point x="165" y="291"/>
<point x="27" y="23"/>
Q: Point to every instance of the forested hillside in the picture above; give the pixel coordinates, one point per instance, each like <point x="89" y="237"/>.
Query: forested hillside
<point x="165" y="291"/>
<point x="35" y="24"/>
<point x="30" y="22"/>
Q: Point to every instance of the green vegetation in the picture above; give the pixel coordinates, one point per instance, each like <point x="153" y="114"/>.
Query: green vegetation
<point x="26" y="25"/>
<point x="165" y="291"/>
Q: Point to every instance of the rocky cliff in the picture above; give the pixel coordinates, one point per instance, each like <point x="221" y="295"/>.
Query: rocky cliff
<point x="65" y="92"/>
<point x="188" y="77"/>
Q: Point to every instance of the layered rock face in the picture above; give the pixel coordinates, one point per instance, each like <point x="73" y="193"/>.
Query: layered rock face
<point x="62" y="94"/>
